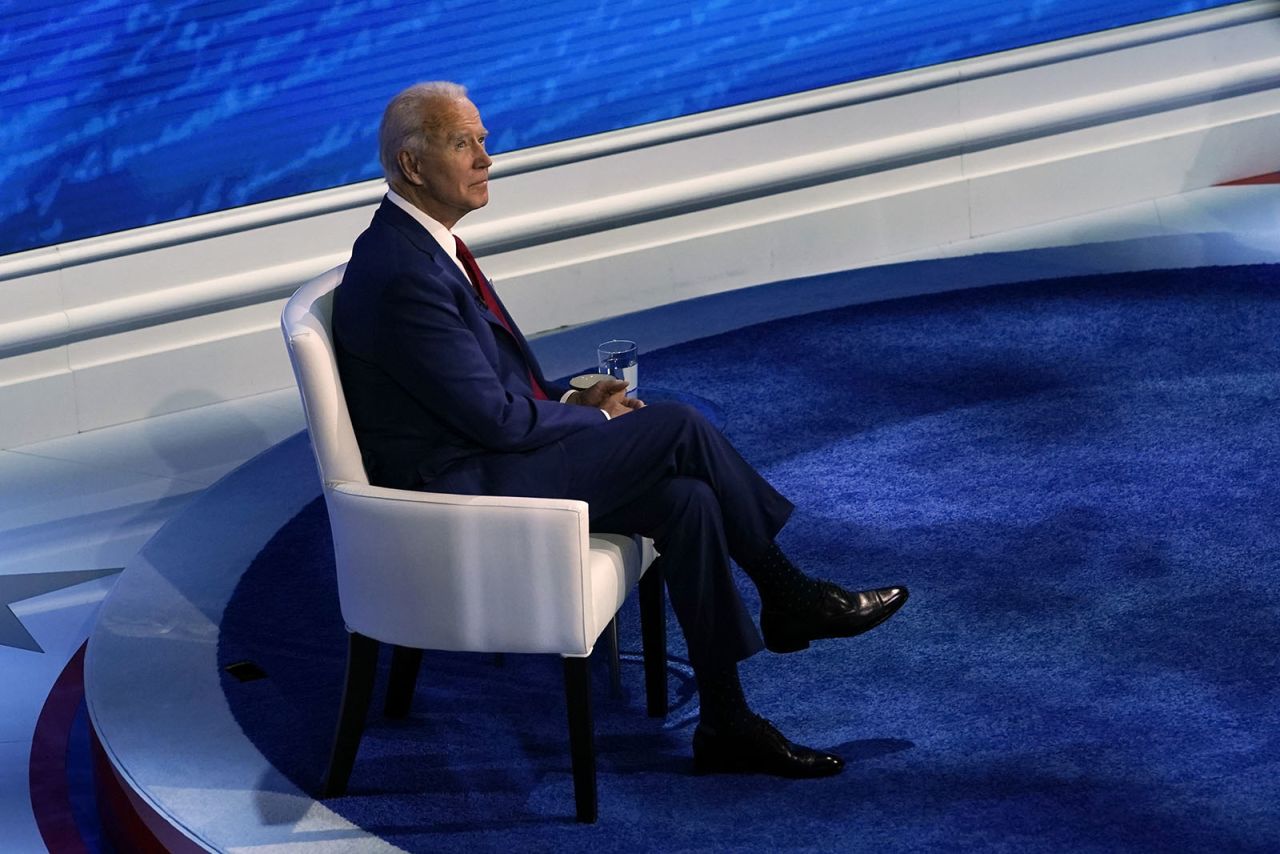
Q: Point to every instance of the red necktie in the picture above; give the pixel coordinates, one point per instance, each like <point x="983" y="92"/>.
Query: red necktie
<point x="481" y="284"/>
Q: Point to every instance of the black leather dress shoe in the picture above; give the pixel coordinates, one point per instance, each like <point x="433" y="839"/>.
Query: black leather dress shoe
<point x="837" y="614"/>
<point x="758" y="749"/>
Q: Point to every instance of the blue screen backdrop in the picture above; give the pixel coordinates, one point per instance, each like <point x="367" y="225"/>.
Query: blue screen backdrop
<point x="121" y="114"/>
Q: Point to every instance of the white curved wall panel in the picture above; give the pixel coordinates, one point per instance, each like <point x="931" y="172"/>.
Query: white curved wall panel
<point x="177" y="315"/>
<point x="209" y="365"/>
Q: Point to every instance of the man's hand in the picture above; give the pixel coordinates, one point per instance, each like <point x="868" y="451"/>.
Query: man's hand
<point x="609" y="395"/>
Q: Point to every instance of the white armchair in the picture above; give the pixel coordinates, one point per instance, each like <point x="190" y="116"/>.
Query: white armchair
<point x="423" y="570"/>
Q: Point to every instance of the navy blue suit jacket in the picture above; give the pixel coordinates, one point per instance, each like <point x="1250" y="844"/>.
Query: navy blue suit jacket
<point x="438" y="389"/>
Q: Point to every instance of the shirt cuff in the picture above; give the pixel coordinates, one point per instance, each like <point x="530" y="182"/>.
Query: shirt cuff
<point x="564" y="398"/>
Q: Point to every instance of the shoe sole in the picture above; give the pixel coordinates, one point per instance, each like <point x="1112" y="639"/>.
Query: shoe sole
<point x="703" y="767"/>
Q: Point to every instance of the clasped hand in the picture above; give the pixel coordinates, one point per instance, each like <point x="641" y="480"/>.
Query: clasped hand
<point x="609" y="395"/>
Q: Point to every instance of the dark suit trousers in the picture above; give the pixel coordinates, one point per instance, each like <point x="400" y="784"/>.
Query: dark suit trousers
<point x="666" y="473"/>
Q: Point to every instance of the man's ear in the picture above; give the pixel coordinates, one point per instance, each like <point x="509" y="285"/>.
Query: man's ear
<point x="408" y="167"/>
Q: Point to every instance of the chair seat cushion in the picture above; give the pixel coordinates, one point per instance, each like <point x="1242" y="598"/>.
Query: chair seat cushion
<point x="615" y="569"/>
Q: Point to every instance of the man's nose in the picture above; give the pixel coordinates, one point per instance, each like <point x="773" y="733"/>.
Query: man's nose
<point x="483" y="160"/>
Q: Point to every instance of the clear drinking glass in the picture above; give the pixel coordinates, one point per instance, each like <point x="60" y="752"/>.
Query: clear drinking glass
<point x="617" y="358"/>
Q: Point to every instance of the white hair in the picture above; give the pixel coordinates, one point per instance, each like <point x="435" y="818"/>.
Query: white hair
<point x="408" y="120"/>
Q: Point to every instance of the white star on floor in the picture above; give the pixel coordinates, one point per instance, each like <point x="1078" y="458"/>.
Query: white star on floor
<point x="15" y="588"/>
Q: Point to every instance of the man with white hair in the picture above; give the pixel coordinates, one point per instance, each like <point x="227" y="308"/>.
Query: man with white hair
<point x="446" y="396"/>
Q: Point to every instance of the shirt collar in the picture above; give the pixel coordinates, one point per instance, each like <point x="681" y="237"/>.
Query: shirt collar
<point x="436" y="229"/>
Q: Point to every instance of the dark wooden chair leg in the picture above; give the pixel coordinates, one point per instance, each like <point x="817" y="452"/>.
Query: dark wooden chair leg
<point x="577" y="690"/>
<point x="653" y="634"/>
<point x="405" y="661"/>
<point x="615" y="659"/>
<point x="362" y="664"/>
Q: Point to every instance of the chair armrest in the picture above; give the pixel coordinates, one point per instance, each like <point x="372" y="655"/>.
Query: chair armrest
<point x="449" y="499"/>
<point x="462" y="572"/>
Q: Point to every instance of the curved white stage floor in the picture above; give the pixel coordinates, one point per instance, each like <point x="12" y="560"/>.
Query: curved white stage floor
<point x="152" y="676"/>
<point x="177" y="756"/>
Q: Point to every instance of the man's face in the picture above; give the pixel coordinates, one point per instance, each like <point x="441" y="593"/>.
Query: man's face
<point x="454" y="170"/>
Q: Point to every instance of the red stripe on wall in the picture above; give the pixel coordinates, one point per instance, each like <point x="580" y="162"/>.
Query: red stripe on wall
<point x="50" y="794"/>
<point x="1269" y="178"/>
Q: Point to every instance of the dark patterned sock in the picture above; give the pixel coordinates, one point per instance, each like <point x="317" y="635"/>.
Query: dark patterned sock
<point x="782" y="586"/>
<point x="723" y="705"/>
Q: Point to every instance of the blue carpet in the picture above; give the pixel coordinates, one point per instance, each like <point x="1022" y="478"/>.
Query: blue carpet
<point x="1079" y="481"/>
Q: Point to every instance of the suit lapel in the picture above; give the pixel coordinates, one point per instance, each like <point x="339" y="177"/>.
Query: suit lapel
<point x="422" y="240"/>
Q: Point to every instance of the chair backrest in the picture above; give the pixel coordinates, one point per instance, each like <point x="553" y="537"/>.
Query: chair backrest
<point x="307" y="325"/>
<point x="433" y="571"/>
